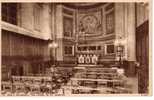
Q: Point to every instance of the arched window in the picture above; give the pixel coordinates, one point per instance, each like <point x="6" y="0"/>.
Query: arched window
<point x="9" y="12"/>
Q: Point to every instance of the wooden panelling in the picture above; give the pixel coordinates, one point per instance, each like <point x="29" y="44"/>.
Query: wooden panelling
<point x="142" y="45"/>
<point x="22" y="55"/>
<point x="15" y="46"/>
<point x="5" y="44"/>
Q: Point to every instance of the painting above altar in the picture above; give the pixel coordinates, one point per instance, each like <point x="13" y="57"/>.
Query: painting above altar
<point x="90" y="23"/>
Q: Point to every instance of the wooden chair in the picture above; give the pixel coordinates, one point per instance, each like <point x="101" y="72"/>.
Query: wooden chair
<point x="6" y="86"/>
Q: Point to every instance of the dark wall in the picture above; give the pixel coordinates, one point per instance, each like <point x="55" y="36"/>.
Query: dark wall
<point x="20" y="47"/>
<point x="142" y="52"/>
<point x="21" y="53"/>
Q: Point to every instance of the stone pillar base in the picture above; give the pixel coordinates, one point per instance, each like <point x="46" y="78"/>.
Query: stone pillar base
<point x="130" y="68"/>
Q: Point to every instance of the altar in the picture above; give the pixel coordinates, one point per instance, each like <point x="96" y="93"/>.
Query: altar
<point x="87" y="58"/>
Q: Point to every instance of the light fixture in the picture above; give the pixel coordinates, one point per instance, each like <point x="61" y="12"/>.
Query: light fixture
<point x="120" y="44"/>
<point x="52" y="44"/>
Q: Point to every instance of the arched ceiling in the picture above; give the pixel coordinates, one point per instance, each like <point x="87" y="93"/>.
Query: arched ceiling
<point x="83" y="5"/>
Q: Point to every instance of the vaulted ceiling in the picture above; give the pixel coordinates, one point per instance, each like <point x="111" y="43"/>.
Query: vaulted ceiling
<point x="83" y="5"/>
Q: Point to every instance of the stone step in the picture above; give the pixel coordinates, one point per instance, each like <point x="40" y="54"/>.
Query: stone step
<point x="89" y="65"/>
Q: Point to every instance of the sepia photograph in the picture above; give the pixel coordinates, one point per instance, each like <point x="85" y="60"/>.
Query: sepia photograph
<point x="75" y="48"/>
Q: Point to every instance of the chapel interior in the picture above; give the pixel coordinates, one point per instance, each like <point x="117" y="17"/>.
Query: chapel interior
<point x="65" y="49"/>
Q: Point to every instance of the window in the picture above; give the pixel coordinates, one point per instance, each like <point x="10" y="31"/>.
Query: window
<point x="9" y="13"/>
<point x="68" y="50"/>
<point x="68" y="26"/>
<point x="110" y="25"/>
<point x="109" y="49"/>
<point x="37" y="17"/>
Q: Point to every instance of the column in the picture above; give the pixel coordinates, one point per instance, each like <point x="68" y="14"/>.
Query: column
<point x="46" y="28"/>
<point x="125" y="31"/>
<point x="59" y="32"/>
<point x="46" y="21"/>
<point x="125" y="28"/>
<point x="131" y="38"/>
<point x="27" y="19"/>
<point x="120" y="24"/>
<point x="130" y="31"/>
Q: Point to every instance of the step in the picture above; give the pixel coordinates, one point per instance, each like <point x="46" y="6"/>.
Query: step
<point x="89" y="65"/>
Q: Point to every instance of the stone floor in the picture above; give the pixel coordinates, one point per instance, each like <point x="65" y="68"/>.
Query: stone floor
<point x="131" y="81"/>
